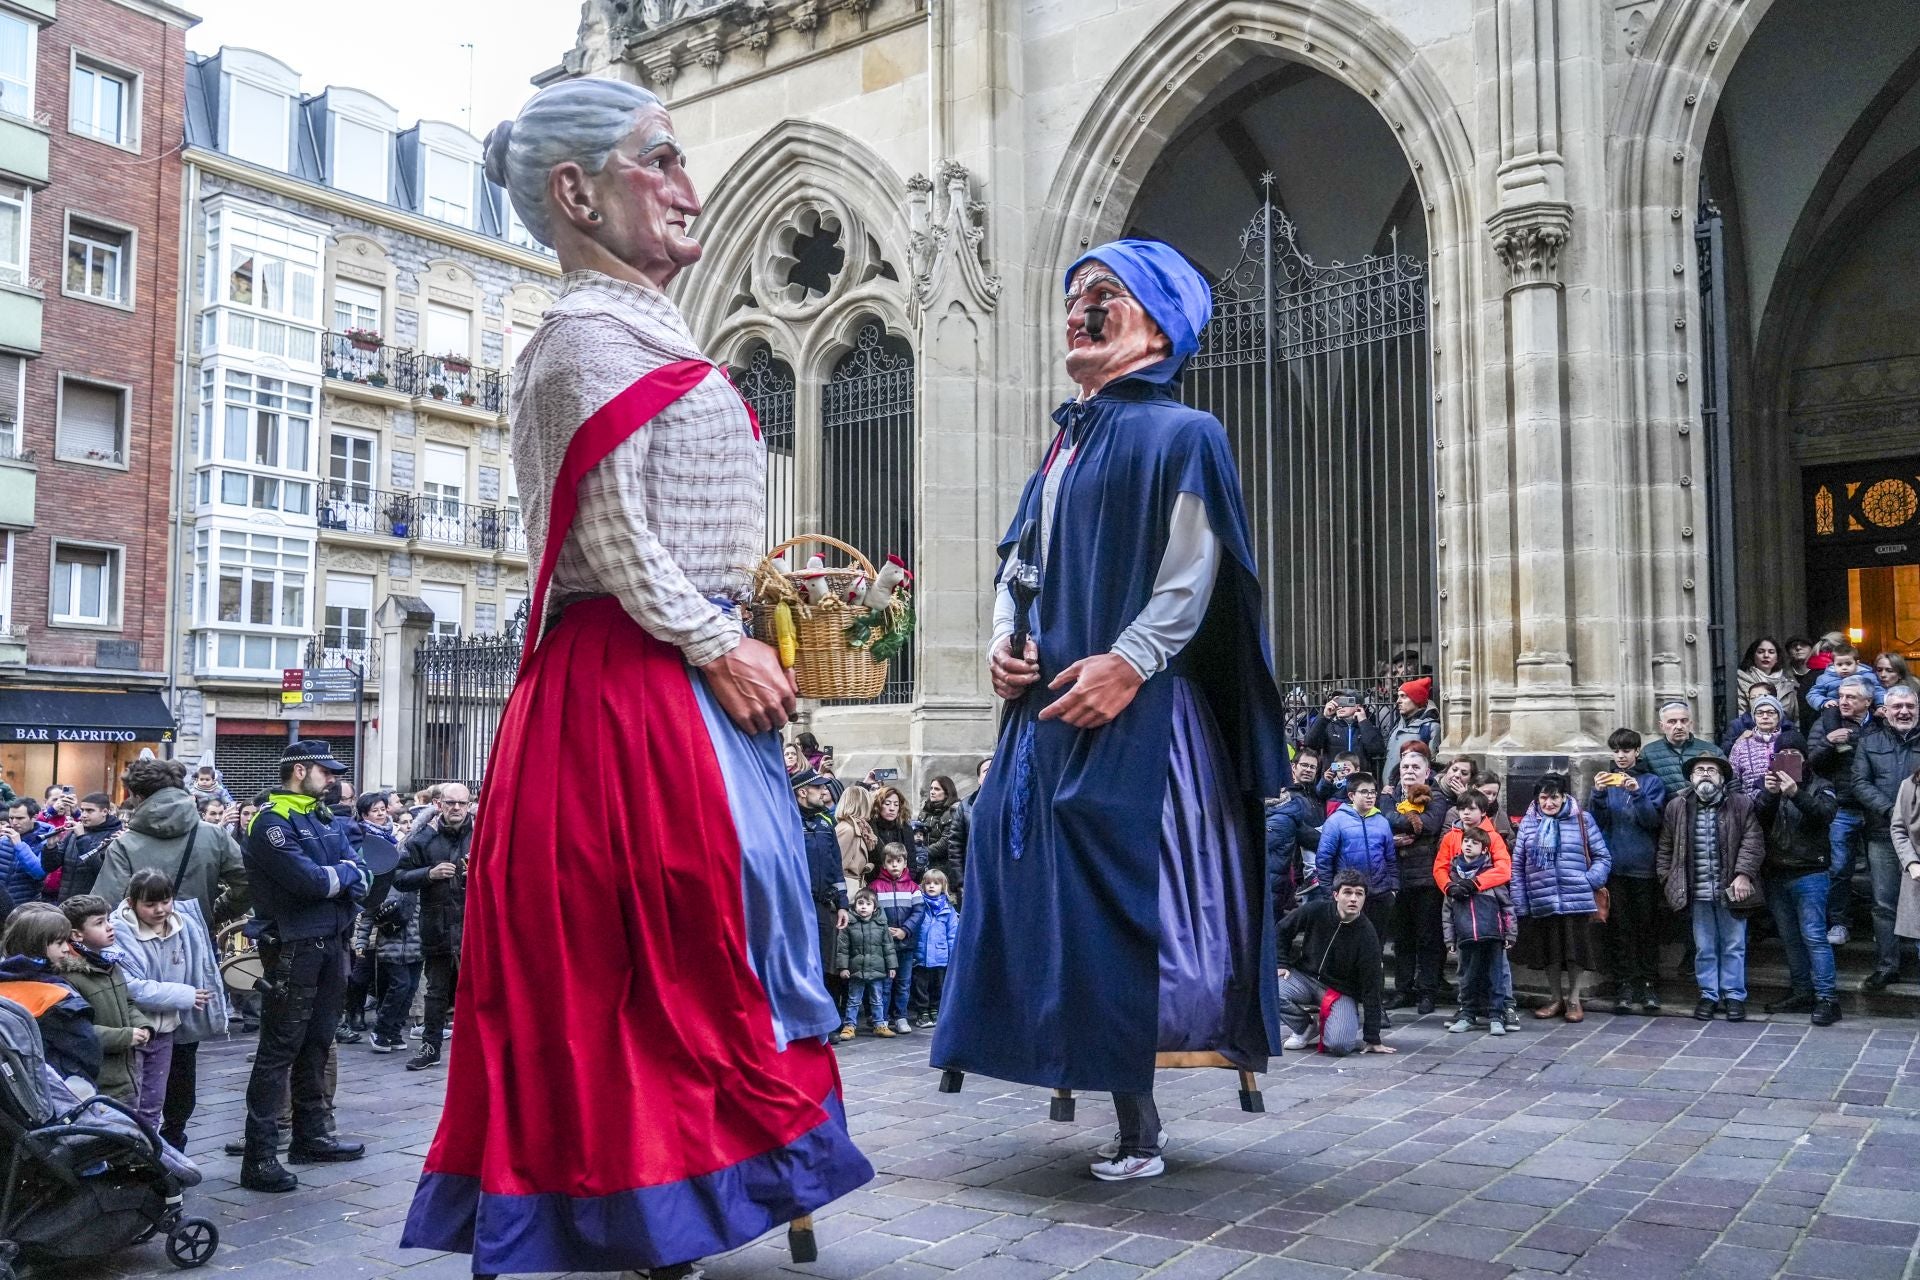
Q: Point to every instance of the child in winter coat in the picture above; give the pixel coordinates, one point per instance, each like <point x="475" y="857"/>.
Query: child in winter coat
<point x="162" y="951"/>
<point x="1478" y="922"/>
<point x="865" y="956"/>
<point x="38" y="944"/>
<point x="933" y="948"/>
<point x="1475" y="810"/>
<point x="903" y="906"/>
<point x="120" y="1025"/>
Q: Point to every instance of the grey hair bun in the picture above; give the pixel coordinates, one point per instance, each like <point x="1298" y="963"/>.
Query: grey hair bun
<point x="496" y="152"/>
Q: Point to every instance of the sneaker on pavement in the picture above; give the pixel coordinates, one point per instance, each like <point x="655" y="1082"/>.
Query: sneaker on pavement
<point x="1297" y="1041"/>
<point x="1510" y="1017"/>
<point x="378" y="1045"/>
<point x="1838" y="936"/>
<point x="1460" y="1024"/>
<point x="884" y="1031"/>
<point x="1825" y="1013"/>
<point x="901" y="1027"/>
<point x="429" y="1056"/>
<point x="1495" y="1027"/>
<point x="1111" y="1150"/>
<point x="846" y="1032"/>
<point x="1736" y="1010"/>
<point x="1707" y="1007"/>
<point x="344" y="1034"/>
<point x="1122" y="1168"/>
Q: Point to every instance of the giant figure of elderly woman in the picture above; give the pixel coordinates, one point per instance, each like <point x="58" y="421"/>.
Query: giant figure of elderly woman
<point x="641" y="1076"/>
<point x="1115" y="917"/>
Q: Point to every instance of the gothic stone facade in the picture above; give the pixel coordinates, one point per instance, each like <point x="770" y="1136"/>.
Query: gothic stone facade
<point x="1554" y="154"/>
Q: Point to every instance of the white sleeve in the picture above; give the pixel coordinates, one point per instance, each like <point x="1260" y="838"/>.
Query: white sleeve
<point x="1181" y="592"/>
<point x="1004" y="612"/>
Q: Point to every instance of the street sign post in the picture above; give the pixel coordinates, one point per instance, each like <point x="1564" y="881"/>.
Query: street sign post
<point x="317" y="686"/>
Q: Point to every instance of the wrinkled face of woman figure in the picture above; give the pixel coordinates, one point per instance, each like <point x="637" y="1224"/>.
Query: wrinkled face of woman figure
<point x="1128" y="339"/>
<point x="646" y="200"/>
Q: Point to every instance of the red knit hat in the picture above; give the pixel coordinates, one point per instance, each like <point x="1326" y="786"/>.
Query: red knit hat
<point x="1421" y="690"/>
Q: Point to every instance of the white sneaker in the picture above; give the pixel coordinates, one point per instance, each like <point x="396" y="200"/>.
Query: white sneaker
<point x="1296" y="1042"/>
<point x="1111" y="1150"/>
<point x="901" y="1027"/>
<point x="1838" y="936"/>
<point x="1462" y="1023"/>
<point x="1496" y="1027"/>
<point x="1120" y="1170"/>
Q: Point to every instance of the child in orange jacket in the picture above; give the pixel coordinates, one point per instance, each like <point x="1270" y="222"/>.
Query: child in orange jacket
<point x="1473" y="810"/>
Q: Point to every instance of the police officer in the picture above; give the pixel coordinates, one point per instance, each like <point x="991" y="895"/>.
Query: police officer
<point x="825" y="875"/>
<point x="306" y="886"/>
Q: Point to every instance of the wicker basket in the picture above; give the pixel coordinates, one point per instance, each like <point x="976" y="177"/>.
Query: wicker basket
<point x="825" y="665"/>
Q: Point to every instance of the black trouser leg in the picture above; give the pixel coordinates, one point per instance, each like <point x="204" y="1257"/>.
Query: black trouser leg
<point x="829" y="918"/>
<point x="360" y="981"/>
<point x="1419" y="946"/>
<point x="302" y="993"/>
<point x="1633" y="932"/>
<point x="443" y="975"/>
<point x="1139" y="1124"/>
<point x="182" y="1085"/>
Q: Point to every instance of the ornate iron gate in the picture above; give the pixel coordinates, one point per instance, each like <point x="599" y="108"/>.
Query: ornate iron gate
<point x="460" y="688"/>
<point x="767" y="384"/>
<point x="867" y="461"/>
<point x="1321" y="377"/>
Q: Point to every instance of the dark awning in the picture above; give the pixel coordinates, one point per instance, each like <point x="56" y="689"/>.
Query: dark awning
<point x="67" y="715"/>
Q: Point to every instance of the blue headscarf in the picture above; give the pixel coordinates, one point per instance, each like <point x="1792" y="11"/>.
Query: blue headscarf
<point x="1176" y="296"/>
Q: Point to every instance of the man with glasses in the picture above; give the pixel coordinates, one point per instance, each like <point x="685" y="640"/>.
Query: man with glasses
<point x="1831" y="749"/>
<point x="1887" y="756"/>
<point x="433" y="863"/>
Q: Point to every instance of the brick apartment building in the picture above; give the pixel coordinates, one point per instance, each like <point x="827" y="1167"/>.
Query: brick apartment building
<point x="91" y="119"/>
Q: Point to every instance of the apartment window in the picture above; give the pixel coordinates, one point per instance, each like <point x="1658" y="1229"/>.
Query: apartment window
<point x="350" y="482"/>
<point x="448" y="605"/>
<point x="349" y="612"/>
<point x="355" y="306"/>
<point x="449" y="188"/>
<point x="257" y="124"/>
<point x="13" y="394"/>
<point x="270" y="266"/>
<point x="443" y="485"/>
<point x="93" y="423"/>
<point x="17" y="40"/>
<point x="100" y="104"/>
<point x="8" y="624"/>
<point x="449" y="330"/>
<point x="84" y="589"/>
<point x="15" y="202"/>
<point x="517" y="233"/>
<point x="512" y="603"/>
<point x="99" y="262"/>
<point x="359" y="158"/>
<point x="255" y="584"/>
<point x="269" y="422"/>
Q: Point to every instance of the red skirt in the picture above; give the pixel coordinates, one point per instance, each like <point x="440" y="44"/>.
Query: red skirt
<point x="623" y="1093"/>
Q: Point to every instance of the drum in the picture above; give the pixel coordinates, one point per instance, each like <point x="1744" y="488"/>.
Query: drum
<point x="240" y="965"/>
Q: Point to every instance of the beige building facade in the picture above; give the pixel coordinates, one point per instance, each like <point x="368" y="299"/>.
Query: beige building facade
<point x="1578" y="348"/>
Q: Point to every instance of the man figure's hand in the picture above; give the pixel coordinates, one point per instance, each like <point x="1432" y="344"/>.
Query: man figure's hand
<point x="1103" y="687"/>
<point x="1011" y="675"/>
<point x="751" y="686"/>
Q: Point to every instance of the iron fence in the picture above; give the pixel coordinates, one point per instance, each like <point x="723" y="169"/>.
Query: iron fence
<point x="867" y="472"/>
<point x="767" y="384"/>
<point x="460" y="689"/>
<point x="348" y="507"/>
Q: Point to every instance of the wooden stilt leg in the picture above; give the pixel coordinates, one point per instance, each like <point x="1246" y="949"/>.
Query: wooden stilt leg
<point x="800" y="1242"/>
<point x="950" y="1081"/>
<point x="1250" y="1099"/>
<point x="1061" y="1106"/>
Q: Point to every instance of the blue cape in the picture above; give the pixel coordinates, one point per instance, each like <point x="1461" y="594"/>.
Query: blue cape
<point x="1055" y="979"/>
<point x="1167" y="286"/>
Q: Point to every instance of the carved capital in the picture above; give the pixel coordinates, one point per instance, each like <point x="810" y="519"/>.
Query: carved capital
<point x="660" y="67"/>
<point x="805" y="16"/>
<point x="1529" y="238"/>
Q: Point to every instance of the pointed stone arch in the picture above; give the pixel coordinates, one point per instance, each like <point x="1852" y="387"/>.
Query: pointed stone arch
<point x="798" y="167"/>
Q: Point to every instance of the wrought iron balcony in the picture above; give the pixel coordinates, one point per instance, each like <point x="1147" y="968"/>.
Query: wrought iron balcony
<point x="449" y="378"/>
<point x="426" y="518"/>
<point x="351" y="647"/>
<point x="357" y="508"/>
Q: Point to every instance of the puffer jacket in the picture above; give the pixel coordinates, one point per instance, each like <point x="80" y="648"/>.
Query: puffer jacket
<point x="946" y="833"/>
<point x="1885" y="759"/>
<point x="1293" y="834"/>
<point x="21" y="871"/>
<point x="65" y="1017"/>
<point x="933" y="947"/>
<point x="1670" y="762"/>
<point x="115" y="1018"/>
<point x="1558" y="881"/>
<point x="1743" y="848"/>
<point x="1630" y="820"/>
<point x="1834" y="760"/>
<point x="1352" y="841"/>
<point x="864" y="950"/>
<point x="902" y="903"/>
<point x="393" y="945"/>
<point x="1422" y="726"/>
<point x="157" y="837"/>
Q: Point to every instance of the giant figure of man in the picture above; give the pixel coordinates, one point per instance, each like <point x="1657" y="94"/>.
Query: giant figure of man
<point x="1115" y="911"/>
<point x="641" y="1076"/>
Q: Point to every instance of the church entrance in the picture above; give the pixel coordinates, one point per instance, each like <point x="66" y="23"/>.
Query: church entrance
<point x="1317" y="363"/>
<point x="1863" y="554"/>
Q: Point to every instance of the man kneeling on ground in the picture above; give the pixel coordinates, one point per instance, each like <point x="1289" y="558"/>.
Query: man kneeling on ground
<point x="1333" y="956"/>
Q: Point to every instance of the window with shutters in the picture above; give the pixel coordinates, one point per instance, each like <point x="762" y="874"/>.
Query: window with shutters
<point x="257" y="123"/>
<point x="99" y="262"/>
<point x="13" y="395"/>
<point x="84" y="587"/>
<point x="360" y="157"/>
<point x="448" y="604"/>
<point x="16" y="202"/>
<point x="93" y="423"/>
<point x="449" y="330"/>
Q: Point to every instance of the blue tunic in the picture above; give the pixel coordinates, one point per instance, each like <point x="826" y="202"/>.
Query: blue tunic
<point x="1069" y="968"/>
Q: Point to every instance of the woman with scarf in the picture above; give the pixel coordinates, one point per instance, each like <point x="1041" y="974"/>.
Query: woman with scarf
<point x="892" y="825"/>
<point x="1708" y="861"/>
<point x="1764" y="673"/>
<point x="859" y="846"/>
<point x="1754" y="749"/>
<point x="1560" y="867"/>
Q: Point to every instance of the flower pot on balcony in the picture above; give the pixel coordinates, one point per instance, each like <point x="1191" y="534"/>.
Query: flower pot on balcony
<point x="438" y="391"/>
<point x="365" y="344"/>
<point x="456" y="364"/>
<point x="468" y="398"/>
<point x="399" y="528"/>
<point x="376" y="379"/>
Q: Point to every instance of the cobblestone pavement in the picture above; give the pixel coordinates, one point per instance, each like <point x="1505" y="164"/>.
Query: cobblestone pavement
<point x="1621" y="1147"/>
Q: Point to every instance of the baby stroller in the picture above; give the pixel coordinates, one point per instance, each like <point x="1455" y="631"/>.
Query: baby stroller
<point x="84" y="1178"/>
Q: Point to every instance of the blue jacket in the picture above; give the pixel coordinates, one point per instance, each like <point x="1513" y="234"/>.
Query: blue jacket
<point x="1827" y="687"/>
<point x="1293" y="828"/>
<point x="1351" y="842"/>
<point x="826" y="877"/>
<point x="933" y="946"/>
<point x="1558" y="881"/>
<point x="21" y="872"/>
<point x="305" y="880"/>
<point x="1631" y="823"/>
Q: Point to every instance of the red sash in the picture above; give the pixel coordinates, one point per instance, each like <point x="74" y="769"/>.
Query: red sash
<point x="609" y="428"/>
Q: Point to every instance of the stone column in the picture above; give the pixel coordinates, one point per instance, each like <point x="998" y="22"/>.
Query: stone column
<point x="402" y="622"/>
<point x="965" y="218"/>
